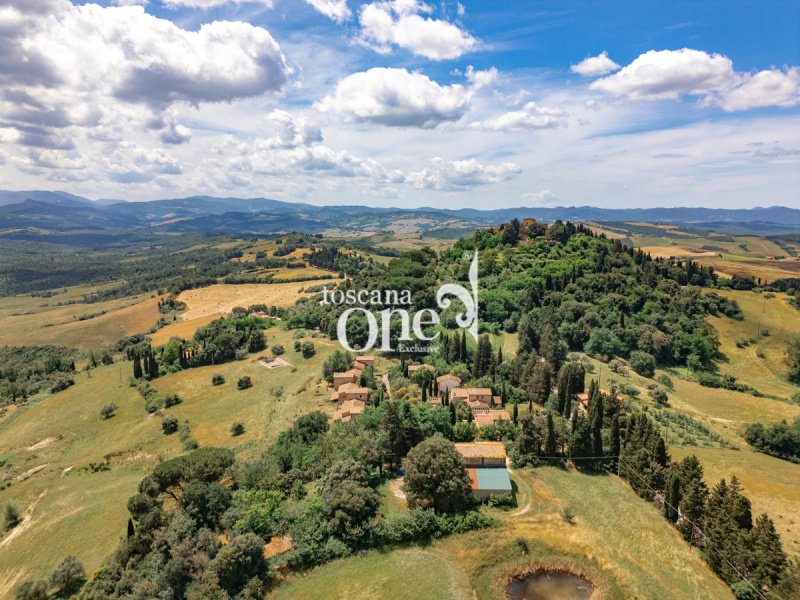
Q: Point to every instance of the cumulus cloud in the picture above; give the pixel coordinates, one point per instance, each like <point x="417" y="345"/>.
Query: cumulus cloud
<point x="461" y="174"/>
<point x="595" y="65"/>
<point x="672" y="74"/>
<point x="91" y="67"/>
<point x="337" y="10"/>
<point x="396" y="97"/>
<point x="545" y="197"/>
<point x="530" y="116"/>
<point x="400" y="23"/>
<point x="481" y="79"/>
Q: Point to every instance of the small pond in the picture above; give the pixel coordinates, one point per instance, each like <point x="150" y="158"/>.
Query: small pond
<point x="550" y="586"/>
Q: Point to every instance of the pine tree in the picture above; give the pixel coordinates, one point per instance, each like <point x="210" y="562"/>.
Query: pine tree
<point x="768" y="559"/>
<point x="137" y="367"/>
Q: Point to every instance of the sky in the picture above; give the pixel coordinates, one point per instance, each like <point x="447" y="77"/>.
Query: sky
<point x="406" y="103"/>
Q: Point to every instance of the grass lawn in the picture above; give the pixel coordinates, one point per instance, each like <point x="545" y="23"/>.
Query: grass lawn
<point x="71" y="504"/>
<point x="767" y="374"/>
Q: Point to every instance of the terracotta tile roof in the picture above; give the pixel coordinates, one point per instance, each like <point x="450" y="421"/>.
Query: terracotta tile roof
<point x="348" y="409"/>
<point x="448" y="377"/>
<point x="459" y="392"/>
<point x="415" y="368"/>
<point x="482" y="449"/>
<point x="490" y="417"/>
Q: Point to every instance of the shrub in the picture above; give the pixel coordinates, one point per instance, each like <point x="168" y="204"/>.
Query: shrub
<point x="643" y="363"/>
<point x="172" y="400"/>
<point x="666" y="381"/>
<point x="108" y="410"/>
<point x="244" y="383"/>
<point x="68" y="576"/>
<point x="35" y="589"/>
<point x="237" y="429"/>
<point x="568" y="515"/>
<point x="217" y="379"/>
<point x="11" y="516"/>
<point x="169" y="424"/>
<point x="659" y="395"/>
<point x="308" y="350"/>
<point x="278" y="349"/>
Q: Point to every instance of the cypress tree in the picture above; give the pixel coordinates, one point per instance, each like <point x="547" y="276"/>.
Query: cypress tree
<point x="581" y="439"/>
<point x="672" y="498"/>
<point x="137" y="367"/>
<point x="597" y="423"/>
<point x="153" y="366"/>
<point x="453" y="418"/>
<point x="550" y="448"/>
<point x="424" y="393"/>
<point x="614" y="447"/>
<point x="131" y="530"/>
<point x="463" y="357"/>
<point x="515" y="413"/>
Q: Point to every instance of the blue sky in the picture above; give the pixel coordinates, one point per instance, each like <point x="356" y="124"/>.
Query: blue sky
<point x="405" y="103"/>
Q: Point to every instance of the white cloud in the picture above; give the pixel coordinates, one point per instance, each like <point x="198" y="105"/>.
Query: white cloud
<point x="765" y="88"/>
<point x="672" y="74"/>
<point x="396" y="97"/>
<point x="399" y="23"/>
<point x="530" y="116"/>
<point x="480" y="79"/>
<point x="595" y="65"/>
<point x="205" y="4"/>
<point x="669" y="74"/>
<point x="174" y="133"/>
<point x="101" y="69"/>
<point x="461" y="174"/>
<point x="544" y="198"/>
<point x="336" y="10"/>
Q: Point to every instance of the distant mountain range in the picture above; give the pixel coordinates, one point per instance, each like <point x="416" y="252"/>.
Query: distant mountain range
<point x="35" y="214"/>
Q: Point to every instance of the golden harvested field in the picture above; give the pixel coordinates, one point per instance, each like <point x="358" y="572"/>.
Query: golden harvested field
<point x="675" y="251"/>
<point x="25" y="320"/>
<point x="766" y="270"/>
<point x="220" y="299"/>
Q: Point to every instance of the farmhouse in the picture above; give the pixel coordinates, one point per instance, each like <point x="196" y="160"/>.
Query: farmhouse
<point x="486" y="467"/>
<point x="340" y="379"/>
<point x="416" y="368"/>
<point x="350" y="391"/>
<point x="447" y="383"/>
<point x="475" y="397"/>
<point x="362" y="362"/>
<point x="484" y="417"/>
<point x="483" y="454"/>
<point x="348" y="409"/>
